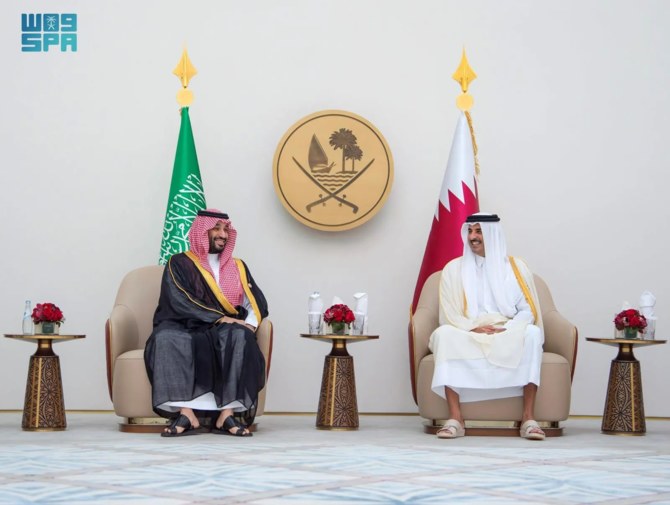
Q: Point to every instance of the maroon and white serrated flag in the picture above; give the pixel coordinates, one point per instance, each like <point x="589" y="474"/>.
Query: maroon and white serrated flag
<point x="458" y="199"/>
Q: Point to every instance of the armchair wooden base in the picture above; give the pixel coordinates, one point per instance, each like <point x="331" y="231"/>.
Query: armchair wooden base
<point x="143" y="424"/>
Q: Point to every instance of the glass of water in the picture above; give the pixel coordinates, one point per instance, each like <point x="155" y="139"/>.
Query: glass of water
<point x="314" y="323"/>
<point x="359" y="323"/>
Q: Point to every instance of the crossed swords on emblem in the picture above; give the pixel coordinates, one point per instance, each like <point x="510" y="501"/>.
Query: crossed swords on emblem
<point x="333" y="194"/>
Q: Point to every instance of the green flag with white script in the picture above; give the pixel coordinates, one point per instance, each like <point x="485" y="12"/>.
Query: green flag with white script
<point x="186" y="194"/>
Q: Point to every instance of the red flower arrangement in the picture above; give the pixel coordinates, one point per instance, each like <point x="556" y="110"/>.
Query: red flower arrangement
<point x="339" y="313"/>
<point x="630" y="318"/>
<point x="47" y="313"/>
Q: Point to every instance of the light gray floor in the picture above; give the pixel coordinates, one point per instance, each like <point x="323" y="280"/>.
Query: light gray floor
<point x="382" y="429"/>
<point x="388" y="460"/>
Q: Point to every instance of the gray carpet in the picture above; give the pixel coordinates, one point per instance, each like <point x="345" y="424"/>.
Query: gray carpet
<point x="388" y="460"/>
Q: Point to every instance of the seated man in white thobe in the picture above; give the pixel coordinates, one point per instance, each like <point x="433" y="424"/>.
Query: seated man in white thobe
<point x="489" y="342"/>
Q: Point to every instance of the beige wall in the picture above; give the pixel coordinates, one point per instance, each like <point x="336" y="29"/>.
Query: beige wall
<point x="571" y="115"/>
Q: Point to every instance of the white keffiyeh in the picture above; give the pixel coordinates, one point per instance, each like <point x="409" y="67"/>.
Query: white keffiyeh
<point x="496" y="268"/>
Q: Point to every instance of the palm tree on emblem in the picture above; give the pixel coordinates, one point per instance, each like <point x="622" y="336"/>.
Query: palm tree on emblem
<point x="353" y="153"/>
<point x="342" y="139"/>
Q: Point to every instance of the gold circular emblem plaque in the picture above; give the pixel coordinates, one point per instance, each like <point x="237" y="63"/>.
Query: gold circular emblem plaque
<point x="333" y="170"/>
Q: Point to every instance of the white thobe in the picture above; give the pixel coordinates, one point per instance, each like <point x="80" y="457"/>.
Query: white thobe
<point x="479" y="366"/>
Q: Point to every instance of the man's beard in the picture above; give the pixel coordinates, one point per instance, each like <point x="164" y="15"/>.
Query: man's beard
<point x="214" y="247"/>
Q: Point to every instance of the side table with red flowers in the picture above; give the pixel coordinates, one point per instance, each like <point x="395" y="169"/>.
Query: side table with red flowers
<point x="44" y="408"/>
<point x="624" y="406"/>
<point x="338" y="407"/>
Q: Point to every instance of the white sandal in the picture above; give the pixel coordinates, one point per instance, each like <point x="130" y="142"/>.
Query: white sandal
<point x="451" y="429"/>
<point x="531" y="430"/>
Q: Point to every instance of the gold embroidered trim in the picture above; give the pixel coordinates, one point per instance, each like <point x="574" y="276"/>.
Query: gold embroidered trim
<point x="524" y="287"/>
<point x="247" y="289"/>
<point x="211" y="282"/>
<point x="186" y="293"/>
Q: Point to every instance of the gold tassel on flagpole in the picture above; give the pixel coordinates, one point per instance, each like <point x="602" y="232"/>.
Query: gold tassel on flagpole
<point x="474" y="141"/>
<point x="464" y="75"/>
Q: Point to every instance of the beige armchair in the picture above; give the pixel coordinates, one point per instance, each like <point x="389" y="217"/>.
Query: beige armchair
<point x="501" y="416"/>
<point x="126" y="332"/>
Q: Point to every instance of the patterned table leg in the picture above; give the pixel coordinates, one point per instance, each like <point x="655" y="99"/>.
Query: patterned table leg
<point x="338" y="409"/>
<point x="44" y="409"/>
<point x="624" y="406"/>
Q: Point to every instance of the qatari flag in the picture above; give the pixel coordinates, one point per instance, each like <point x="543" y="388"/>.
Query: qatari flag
<point x="458" y="199"/>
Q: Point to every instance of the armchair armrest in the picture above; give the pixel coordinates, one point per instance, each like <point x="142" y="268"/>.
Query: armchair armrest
<point x="264" y="338"/>
<point x="421" y="326"/>
<point x="560" y="337"/>
<point x="121" y="335"/>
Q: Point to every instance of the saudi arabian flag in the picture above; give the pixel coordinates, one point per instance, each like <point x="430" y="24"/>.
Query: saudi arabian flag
<point x="186" y="194"/>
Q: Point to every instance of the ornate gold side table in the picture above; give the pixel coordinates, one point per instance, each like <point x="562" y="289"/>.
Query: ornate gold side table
<point x="624" y="405"/>
<point x="338" y="409"/>
<point x="43" y="408"/>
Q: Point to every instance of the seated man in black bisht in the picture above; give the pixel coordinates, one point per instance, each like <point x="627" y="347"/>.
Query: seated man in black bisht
<point x="202" y="354"/>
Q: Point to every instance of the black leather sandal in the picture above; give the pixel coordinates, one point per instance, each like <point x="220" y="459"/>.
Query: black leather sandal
<point x="182" y="421"/>
<point x="228" y="424"/>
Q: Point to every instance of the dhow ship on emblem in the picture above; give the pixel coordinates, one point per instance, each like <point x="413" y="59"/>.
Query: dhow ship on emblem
<point x="321" y="173"/>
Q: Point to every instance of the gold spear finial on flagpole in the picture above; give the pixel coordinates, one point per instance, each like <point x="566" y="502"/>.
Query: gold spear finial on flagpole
<point x="464" y="75"/>
<point x="185" y="71"/>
